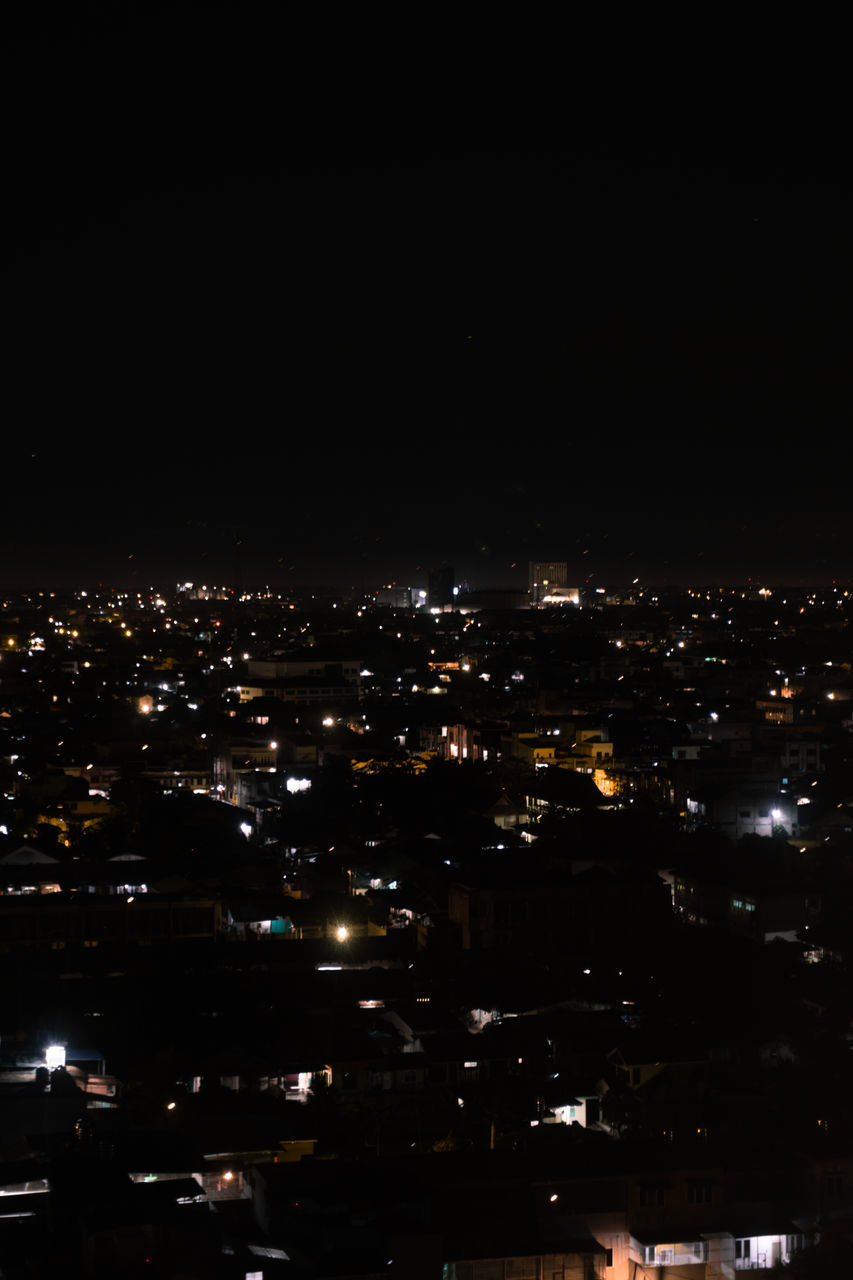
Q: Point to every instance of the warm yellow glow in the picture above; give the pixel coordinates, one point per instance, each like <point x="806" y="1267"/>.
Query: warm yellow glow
<point x="606" y="785"/>
<point x="342" y="933"/>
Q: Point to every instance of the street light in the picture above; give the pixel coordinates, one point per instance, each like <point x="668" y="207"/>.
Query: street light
<point x="54" y="1056"/>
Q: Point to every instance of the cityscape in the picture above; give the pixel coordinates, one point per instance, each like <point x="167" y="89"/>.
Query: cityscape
<point x="426" y="662"/>
<point x="433" y="931"/>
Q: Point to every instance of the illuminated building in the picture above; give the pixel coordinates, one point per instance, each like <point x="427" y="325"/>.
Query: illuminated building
<point x="547" y="583"/>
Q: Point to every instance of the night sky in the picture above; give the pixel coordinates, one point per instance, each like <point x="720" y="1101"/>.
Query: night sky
<point x="250" y="338"/>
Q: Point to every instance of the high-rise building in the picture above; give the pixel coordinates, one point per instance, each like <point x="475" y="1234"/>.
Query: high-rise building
<point x="440" y="587"/>
<point x="543" y="575"/>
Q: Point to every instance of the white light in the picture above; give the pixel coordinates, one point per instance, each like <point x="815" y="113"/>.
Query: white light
<point x="246" y="829"/>
<point x="298" y="784"/>
<point x="170" y="1106"/>
<point x="328" y="721"/>
<point x="273" y="746"/>
<point x="776" y="814"/>
<point x="342" y="933"/>
<point x="54" y="1056"/>
<point x="553" y="1197"/>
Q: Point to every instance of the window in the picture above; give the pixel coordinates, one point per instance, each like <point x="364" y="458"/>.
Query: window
<point x="742" y="1249"/>
<point x="521" y="1269"/>
<point x="699" y="1191"/>
<point x="651" y="1193"/>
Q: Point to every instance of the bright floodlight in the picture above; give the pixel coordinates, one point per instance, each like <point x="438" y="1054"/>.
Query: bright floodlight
<point x="776" y="814"/>
<point x="246" y="829"/>
<point x="54" y="1056"/>
<point x="342" y="933"/>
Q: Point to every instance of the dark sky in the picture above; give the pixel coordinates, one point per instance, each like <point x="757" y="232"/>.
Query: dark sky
<point x="236" y="317"/>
